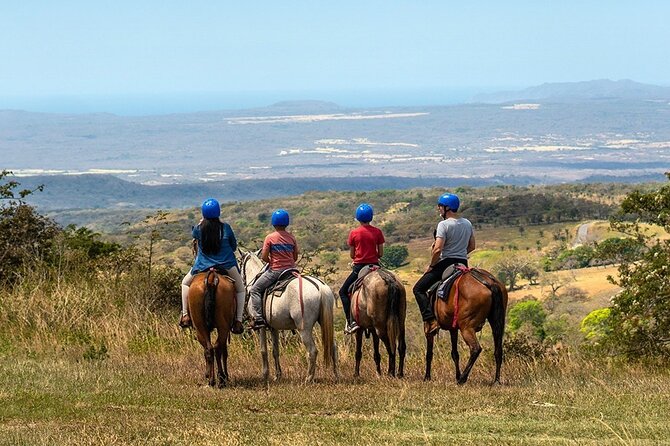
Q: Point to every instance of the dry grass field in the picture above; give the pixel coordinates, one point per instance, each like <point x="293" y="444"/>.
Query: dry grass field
<point x="88" y="362"/>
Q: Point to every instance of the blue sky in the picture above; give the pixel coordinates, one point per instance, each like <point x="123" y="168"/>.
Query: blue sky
<point x="298" y="48"/>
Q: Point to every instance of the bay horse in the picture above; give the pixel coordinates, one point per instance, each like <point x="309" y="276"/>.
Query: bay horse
<point x="379" y="306"/>
<point x="212" y="304"/>
<point x="305" y="301"/>
<point x="475" y="297"/>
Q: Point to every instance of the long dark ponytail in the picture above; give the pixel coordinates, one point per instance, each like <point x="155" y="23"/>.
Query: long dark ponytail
<point x="211" y="231"/>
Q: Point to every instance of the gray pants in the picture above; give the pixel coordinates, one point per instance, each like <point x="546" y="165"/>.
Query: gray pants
<point x="256" y="292"/>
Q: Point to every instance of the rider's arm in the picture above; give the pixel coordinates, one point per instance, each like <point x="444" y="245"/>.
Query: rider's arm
<point x="265" y="253"/>
<point x="435" y="254"/>
<point x="296" y="251"/>
<point x="231" y="238"/>
<point x="352" y="252"/>
<point x="380" y="250"/>
<point x="471" y="243"/>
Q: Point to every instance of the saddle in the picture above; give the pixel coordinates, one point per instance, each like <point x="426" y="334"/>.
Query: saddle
<point x="367" y="269"/>
<point x="282" y="282"/>
<point x="442" y="288"/>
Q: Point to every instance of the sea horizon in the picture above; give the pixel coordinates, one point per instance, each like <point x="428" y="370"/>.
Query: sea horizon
<point x="147" y="104"/>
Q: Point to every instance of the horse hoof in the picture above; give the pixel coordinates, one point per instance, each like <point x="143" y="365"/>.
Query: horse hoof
<point x="461" y="381"/>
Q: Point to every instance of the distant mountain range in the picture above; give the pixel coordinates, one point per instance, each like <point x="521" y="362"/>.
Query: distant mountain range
<point x="571" y="91"/>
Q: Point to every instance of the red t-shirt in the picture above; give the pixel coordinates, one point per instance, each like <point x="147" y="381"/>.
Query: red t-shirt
<point x="281" y="245"/>
<point x="364" y="239"/>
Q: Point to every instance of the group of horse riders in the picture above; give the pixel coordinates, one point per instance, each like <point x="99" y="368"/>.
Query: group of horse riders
<point x="454" y="240"/>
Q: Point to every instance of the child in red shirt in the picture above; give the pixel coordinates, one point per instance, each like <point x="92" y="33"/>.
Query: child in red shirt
<point x="280" y="250"/>
<point x="366" y="246"/>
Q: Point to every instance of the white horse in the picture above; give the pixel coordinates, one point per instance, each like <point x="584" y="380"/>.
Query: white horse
<point x="290" y="311"/>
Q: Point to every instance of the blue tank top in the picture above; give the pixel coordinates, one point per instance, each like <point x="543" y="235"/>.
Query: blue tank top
<point x="225" y="258"/>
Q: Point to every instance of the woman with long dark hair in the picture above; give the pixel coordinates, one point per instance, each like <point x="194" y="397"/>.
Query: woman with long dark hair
<point x="216" y="249"/>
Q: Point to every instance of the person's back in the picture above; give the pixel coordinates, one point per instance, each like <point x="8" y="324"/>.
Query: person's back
<point x="456" y="233"/>
<point x="366" y="246"/>
<point x="280" y="252"/>
<point x="454" y="239"/>
<point x="216" y="249"/>
<point x="281" y="245"/>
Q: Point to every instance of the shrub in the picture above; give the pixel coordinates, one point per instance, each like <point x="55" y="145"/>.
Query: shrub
<point x="528" y="315"/>
<point x="395" y="256"/>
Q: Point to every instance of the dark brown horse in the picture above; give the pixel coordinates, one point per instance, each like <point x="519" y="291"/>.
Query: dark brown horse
<point x="211" y="303"/>
<point x="480" y="297"/>
<point x="379" y="306"/>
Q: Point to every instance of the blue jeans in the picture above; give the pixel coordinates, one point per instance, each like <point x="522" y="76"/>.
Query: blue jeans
<point x="256" y="293"/>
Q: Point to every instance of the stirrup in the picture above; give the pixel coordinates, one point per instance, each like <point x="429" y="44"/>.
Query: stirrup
<point x="258" y="323"/>
<point x="237" y="327"/>
<point x="185" y="321"/>
<point x="351" y="328"/>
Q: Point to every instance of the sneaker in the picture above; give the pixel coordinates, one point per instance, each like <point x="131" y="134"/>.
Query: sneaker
<point x="237" y="327"/>
<point x="258" y="323"/>
<point x="351" y="328"/>
<point x="431" y="327"/>
<point x="185" y="321"/>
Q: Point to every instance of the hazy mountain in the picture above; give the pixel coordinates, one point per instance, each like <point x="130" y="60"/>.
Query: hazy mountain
<point x="570" y="91"/>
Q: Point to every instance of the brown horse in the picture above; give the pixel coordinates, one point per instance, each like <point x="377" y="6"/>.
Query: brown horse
<point x="211" y="303"/>
<point x="379" y="306"/>
<point x="480" y="297"/>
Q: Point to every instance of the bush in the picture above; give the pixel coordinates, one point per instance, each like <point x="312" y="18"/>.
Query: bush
<point x="395" y="256"/>
<point x="528" y="316"/>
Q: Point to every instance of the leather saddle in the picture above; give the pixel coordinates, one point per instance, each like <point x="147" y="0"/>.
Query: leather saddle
<point x="367" y="269"/>
<point x="442" y="288"/>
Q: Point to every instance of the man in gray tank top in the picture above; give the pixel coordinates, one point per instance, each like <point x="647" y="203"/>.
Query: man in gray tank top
<point x="454" y="240"/>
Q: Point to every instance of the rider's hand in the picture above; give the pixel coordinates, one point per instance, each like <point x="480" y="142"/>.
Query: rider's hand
<point x="429" y="269"/>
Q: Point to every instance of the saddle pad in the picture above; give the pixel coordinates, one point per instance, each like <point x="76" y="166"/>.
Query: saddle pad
<point x="361" y="275"/>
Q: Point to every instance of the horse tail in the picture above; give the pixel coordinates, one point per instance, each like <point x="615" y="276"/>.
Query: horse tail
<point x="211" y="282"/>
<point x="496" y="315"/>
<point x="326" y="323"/>
<point x="393" y="314"/>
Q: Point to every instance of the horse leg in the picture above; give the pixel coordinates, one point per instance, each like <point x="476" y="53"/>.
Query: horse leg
<point x="308" y="340"/>
<point x="264" y="353"/>
<point x="430" y="341"/>
<point x="221" y="350"/>
<point x="377" y="355"/>
<point x="209" y="359"/>
<point x="470" y="338"/>
<point x="402" y="347"/>
<point x="391" y="350"/>
<point x="359" y="352"/>
<point x="275" y="353"/>
<point x="209" y="355"/>
<point x="454" y="352"/>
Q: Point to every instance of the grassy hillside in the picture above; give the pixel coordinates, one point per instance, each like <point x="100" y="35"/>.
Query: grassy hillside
<point x="96" y="357"/>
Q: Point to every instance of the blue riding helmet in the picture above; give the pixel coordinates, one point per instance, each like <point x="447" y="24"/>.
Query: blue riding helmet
<point x="280" y="218"/>
<point x="211" y="208"/>
<point x="450" y="201"/>
<point x="364" y="213"/>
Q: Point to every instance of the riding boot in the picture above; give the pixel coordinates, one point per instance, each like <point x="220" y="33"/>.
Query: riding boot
<point x="424" y="305"/>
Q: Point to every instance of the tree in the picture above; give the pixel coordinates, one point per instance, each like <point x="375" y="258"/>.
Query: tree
<point x="618" y="250"/>
<point x="395" y="255"/>
<point x="25" y="235"/>
<point x="640" y="314"/>
<point x="529" y="314"/>
<point x="510" y="268"/>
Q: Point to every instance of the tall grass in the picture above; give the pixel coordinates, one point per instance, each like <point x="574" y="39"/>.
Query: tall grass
<point x="88" y="360"/>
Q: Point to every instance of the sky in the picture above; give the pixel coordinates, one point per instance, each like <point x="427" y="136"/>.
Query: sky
<point x="101" y="54"/>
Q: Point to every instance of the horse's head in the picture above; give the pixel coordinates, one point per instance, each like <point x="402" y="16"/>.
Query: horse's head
<point x="250" y="265"/>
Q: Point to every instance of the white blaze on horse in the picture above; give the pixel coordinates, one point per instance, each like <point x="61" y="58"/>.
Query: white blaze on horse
<point x="305" y="301"/>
